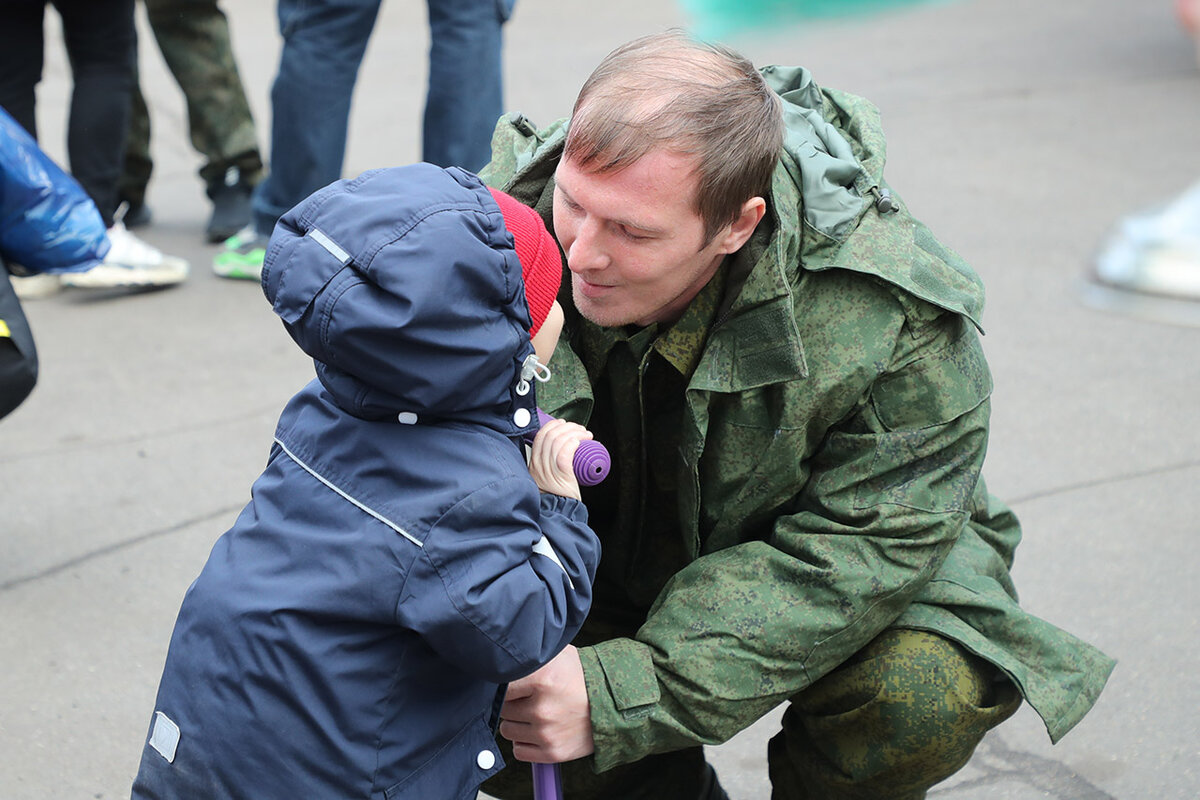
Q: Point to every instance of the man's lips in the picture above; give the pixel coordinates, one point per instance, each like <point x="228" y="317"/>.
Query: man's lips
<point x="592" y="290"/>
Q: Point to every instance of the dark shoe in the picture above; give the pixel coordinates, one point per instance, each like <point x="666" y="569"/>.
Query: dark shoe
<point x="231" y="206"/>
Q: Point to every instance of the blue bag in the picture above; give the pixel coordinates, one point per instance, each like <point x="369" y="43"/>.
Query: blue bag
<point x="47" y="222"/>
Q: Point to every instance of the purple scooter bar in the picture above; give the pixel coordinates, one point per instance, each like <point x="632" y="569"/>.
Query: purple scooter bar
<point x="591" y="462"/>
<point x="591" y="465"/>
<point x="547" y="782"/>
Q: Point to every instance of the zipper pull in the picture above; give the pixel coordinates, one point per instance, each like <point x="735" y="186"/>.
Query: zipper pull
<point x="531" y="369"/>
<point x="883" y="200"/>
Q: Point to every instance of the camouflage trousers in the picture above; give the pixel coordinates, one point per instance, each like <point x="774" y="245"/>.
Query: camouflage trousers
<point x="904" y="713"/>
<point x="193" y="36"/>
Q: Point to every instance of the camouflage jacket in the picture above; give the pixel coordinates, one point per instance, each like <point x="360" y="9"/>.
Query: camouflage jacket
<point x="829" y="470"/>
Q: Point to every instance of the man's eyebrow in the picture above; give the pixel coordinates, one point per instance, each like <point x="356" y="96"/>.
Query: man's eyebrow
<point x="623" y="222"/>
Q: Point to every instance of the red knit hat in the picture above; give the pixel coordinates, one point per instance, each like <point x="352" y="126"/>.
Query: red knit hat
<point x="541" y="265"/>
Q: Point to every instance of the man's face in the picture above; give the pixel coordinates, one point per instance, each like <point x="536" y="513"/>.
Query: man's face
<point x="633" y="239"/>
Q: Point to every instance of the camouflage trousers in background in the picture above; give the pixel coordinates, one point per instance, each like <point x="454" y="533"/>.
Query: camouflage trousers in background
<point x="193" y="36"/>
<point x="903" y="714"/>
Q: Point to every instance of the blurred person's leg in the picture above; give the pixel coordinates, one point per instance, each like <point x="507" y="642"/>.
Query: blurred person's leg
<point x="465" y="96"/>
<point x="1155" y="252"/>
<point x="102" y="49"/>
<point x="1149" y="264"/>
<point x="193" y="36"/>
<point x="101" y="46"/>
<point x="323" y="46"/>
<point x="138" y="164"/>
<point x="21" y="46"/>
<point x="1189" y="17"/>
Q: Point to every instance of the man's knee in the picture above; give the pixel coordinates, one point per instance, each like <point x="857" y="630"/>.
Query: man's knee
<point x="903" y="714"/>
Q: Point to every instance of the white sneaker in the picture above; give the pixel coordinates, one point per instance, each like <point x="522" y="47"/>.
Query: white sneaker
<point x="1156" y="252"/>
<point x="36" y="286"/>
<point x="130" y="262"/>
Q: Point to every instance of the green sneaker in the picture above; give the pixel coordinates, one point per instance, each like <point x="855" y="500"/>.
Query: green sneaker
<point x="242" y="256"/>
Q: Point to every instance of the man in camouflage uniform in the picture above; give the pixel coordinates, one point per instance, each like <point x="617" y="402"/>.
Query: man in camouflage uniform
<point x="193" y="36"/>
<point x="786" y="367"/>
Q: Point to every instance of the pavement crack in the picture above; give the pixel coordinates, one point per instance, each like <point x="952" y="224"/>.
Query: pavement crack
<point x="115" y="547"/>
<point x="1097" y="482"/>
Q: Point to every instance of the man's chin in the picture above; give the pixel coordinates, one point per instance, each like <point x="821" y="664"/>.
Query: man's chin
<point x="599" y="311"/>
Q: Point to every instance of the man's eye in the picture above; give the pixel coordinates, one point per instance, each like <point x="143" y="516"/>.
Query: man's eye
<point x="628" y="234"/>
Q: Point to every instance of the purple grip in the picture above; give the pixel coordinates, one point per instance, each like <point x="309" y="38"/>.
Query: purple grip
<point x="592" y="461"/>
<point x="547" y="783"/>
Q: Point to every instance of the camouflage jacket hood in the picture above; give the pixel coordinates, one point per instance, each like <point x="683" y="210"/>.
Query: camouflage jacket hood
<point x="833" y="157"/>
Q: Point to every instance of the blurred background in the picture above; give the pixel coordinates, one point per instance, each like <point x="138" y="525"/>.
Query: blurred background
<point x="1020" y="131"/>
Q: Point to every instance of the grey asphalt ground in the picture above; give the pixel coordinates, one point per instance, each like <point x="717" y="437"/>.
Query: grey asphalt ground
<point x="1019" y="130"/>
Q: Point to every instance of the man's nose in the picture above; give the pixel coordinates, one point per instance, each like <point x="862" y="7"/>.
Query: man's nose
<point x="586" y="252"/>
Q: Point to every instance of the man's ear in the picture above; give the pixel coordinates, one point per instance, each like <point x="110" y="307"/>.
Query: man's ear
<point x="740" y="229"/>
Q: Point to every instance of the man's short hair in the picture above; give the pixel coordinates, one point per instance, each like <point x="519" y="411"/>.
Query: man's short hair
<point x="670" y="91"/>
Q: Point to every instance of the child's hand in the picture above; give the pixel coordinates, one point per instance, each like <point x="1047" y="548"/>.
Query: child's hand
<point x="550" y="461"/>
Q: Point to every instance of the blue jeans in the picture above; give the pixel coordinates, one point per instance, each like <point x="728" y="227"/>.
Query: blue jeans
<point x="323" y="46"/>
<point x="465" y="95"/>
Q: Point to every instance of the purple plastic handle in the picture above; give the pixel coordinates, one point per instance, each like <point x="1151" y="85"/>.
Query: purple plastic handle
<point x="547" y="782"/>
<point x="591" y="463"/>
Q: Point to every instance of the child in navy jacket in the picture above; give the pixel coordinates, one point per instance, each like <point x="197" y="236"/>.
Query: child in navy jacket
<point x="399" y="562"/>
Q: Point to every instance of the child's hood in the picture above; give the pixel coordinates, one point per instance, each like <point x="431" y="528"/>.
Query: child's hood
<point x="404" y="287"/>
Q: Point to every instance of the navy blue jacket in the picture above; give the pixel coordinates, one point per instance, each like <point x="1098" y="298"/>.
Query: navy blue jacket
<point x="350" y="636"/>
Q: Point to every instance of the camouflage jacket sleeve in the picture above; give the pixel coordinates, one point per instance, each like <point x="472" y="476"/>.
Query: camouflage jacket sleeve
<point x="877" y="506"/>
